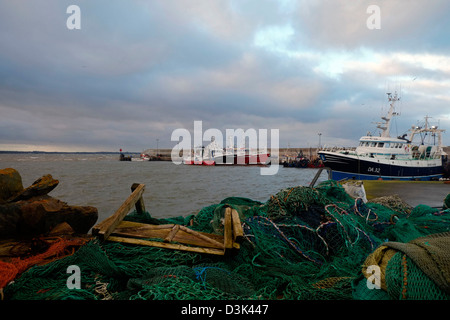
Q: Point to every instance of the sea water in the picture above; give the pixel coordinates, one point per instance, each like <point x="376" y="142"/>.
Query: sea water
<point x="171" y="190"/>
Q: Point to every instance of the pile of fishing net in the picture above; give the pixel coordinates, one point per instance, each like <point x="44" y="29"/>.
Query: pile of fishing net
<point x="302" y="243"/>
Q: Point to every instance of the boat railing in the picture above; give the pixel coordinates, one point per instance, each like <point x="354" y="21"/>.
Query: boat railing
<point x="336" y="148"/>
<point x="415" y="155"/>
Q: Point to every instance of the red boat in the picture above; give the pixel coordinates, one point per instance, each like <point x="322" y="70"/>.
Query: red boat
<point x="214" y="155"/>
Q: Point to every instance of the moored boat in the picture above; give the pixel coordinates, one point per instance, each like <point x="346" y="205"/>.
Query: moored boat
<point x="386" y="157"/>
<point x="213" y="154"/>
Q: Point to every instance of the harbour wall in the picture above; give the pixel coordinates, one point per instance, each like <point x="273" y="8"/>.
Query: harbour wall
<point x="284" y="153"/>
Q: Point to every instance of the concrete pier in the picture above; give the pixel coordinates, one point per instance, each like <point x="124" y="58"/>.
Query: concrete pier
<point x="431" y="193"/>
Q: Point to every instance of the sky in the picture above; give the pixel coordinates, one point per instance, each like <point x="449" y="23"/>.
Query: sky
<point x="137" y="70"/>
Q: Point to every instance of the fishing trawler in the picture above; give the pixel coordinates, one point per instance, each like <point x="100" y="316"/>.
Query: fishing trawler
<point x="213" y="154"/>
<point x="386" y="157"/>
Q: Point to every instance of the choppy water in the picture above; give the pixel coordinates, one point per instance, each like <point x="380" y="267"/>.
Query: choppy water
<point x="171" y="190"/>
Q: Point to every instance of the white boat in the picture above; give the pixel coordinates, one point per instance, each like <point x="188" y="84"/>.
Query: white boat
<point x="213" y="154"/>
<point x="203" y="156"/>
<point x="386" y="157"/>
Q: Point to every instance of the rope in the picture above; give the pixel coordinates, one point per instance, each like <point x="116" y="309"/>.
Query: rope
<point x="101" y="289"/>
<point x="295" y="247"/>
<point x="10" y="270"/>
<point x="405" y="277"/>
<point x="200" y="273"/>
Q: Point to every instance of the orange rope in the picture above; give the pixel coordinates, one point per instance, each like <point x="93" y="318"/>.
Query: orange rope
<point x="285" y="198"/>
<point x="10" y="270"/>
<point x="405" y="277"/>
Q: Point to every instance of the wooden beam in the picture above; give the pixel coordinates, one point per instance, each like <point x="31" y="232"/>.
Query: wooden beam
<point x="238" y="232"/>
<point x="104" y="228"/>
<point x="202" y="236"/>
<point x="138" y="226"/>
<point x="166" y="245"/>
<point x="227" y="233"/>
<point x="172" y="233"/>
<point x="140" y="207"/>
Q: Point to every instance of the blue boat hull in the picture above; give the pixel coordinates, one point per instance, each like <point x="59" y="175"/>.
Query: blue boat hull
<point x="350" y="168"/>
<point x="338" y="175"/>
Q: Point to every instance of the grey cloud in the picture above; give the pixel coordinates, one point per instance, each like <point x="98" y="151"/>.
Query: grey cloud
<point x="151" y="67"/>
<point x="410" y="25"/>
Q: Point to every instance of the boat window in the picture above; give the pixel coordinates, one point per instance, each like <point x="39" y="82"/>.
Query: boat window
<point x="372" y="144"/>
<point x="380" y="144"/>
<point x="387" y="145"/>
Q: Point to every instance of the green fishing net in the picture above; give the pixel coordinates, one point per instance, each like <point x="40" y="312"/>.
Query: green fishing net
<point x="302" y="243"/>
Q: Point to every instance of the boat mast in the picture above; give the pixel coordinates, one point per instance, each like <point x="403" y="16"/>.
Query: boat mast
<point x="387" y="119"/>
<point x="417" y="129"/>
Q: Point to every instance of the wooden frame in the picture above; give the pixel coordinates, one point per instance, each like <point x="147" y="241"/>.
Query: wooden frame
<point x="169" y="236"/>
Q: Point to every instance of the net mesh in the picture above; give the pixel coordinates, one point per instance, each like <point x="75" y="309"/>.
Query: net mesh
<point x="302" y="243"/>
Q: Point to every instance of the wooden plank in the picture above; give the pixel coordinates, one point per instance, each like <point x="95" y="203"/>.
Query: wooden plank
<point x="137" y="226"/>
<point x="166" y="245"/>
<point x="172" y="233"/>
<point x="191" y="237"/>
<point x="227" y="234"/>
<point x="140" y="207"/>
<point x="203" y="236"/>
<point x="155" y="233"/>
<point x="104" y="228"/>
<point x="146" y="229"/>
<point x="238" y="232"/>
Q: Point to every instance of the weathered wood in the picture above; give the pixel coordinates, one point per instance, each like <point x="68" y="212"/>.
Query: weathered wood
<point x="137" y="226"/>
<point x="191" y="237"/>
<point x="7" y="247"/>
<point x="318" y="173"/>
<point x="176" y="237"/>
<point x="140" y="207"/>
<point x="166" y="245"/>
<point x="238" y="232"/>
<point x="202" y="236"/>
<point x="104" y="228"/>
<point x="172" y="233"/>
<point x="227" y="233"/>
